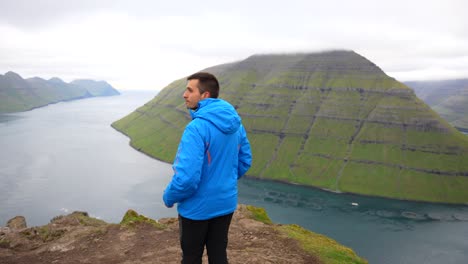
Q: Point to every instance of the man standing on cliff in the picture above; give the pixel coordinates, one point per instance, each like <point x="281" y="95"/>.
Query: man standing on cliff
<point x="213" y="154"/>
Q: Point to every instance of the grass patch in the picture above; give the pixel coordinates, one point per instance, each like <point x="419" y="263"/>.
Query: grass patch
<point x="279" y="168"/>
<point x="387" y="153"/>
<point x="132" y="219"/>
<point x="328" y="250"/>
<point x="259" y="214"/>
<point x="434" y="188"/>
<point x="261" y="144"/>
<point x="316" y="171"/>
<point x="88" y="221"/>
<point x="44" y="233"/>
<point x="370" y="179"/>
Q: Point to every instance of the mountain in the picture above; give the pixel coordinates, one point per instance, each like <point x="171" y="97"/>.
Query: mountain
<point x="449" y="98"/>
<point x="332" y="120"/>
<point x="18" y="94"/>
<point x="56" y="90"/>
<point x="100" y="88"/>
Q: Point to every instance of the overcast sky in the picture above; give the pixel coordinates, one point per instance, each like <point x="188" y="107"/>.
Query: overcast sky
<point x="146" y="44"/>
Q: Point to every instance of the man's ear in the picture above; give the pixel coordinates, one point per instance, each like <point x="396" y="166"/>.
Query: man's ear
<point x="206" y="95"/>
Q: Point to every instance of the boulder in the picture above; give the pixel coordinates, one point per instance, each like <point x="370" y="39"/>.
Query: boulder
<point x="17" y="222"/>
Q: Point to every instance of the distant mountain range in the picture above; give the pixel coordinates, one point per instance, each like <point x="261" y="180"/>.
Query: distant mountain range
<point x="449" y="98"/>
<point x="18" y="94"/>
<point x="332" y="120"/>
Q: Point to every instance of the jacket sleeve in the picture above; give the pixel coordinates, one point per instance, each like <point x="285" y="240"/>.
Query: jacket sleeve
<point x="245" y="154"/>
<point x="187" y="167"/>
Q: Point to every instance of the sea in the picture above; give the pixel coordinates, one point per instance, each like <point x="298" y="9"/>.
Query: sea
<point x="66" y="157"/>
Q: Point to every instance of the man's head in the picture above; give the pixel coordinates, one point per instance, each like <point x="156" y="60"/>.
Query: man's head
<point x="200" y="85"/>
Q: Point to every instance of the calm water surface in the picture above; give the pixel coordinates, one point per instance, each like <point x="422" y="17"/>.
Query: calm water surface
<point x="381" y="230"/>
<point x="66" y="157"/>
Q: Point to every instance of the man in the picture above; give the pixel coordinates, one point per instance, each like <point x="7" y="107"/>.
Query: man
<point x="213" y="154"/>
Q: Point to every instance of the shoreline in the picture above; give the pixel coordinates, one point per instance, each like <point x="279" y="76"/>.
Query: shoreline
<point x="306" y="186"/>
<point x="463" y="130"/>
<point x="56" y="102"/>
<point x="350" y="193"/>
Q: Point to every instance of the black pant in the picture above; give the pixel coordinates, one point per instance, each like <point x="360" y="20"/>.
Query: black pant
<point x="195" y="234"/>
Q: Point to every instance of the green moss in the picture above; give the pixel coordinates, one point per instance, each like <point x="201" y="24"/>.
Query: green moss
<point x="328" y="250"/>
<point x="82" y="217"/>
<point x="259" y="214"/>
<point x="88" y="221"/>
<point x="45" y="233"/>
<point x="132" y="219"/>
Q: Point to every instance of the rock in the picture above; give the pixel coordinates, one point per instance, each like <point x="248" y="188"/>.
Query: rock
<point x="17" y="222"/>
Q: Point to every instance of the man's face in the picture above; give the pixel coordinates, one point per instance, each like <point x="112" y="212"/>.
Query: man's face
<point x="192" y="94"/>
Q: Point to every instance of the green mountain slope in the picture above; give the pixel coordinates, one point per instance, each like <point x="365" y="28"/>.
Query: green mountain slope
<point x="18" y="94"/>
<point x="449" y="98"/>
<point x="333" y="120"/>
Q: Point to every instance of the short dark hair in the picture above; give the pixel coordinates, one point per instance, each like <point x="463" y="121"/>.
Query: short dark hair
<point x="207" y="83"/>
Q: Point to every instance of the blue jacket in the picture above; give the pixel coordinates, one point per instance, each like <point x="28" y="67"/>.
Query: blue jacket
<point x="213" y="154"/>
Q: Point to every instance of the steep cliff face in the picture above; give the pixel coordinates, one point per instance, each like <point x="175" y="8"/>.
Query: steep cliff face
<point x="449" y="98"/>
<point x="333" y="120"/>
<point x="18" y="94"/>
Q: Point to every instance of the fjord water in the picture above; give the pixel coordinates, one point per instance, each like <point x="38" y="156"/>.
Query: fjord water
<point x="66" y="157"/>
<point x="380" y="230"/>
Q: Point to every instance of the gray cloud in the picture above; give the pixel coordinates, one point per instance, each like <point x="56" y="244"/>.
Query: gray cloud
<point x="128" y="40"/>
<point x="33" y="14"/>
<point x="28" y="14"/>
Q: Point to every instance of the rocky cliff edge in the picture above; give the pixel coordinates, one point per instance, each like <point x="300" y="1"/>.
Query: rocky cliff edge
<point x="78" y="238"/>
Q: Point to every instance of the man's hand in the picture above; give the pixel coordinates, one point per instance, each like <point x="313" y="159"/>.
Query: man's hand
<point x="166" y="203"/>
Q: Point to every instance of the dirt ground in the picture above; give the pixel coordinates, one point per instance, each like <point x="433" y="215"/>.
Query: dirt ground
<point x="70" y="240"/>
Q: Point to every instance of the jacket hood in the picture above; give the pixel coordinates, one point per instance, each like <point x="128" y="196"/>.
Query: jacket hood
<point x="220" y="113"/>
